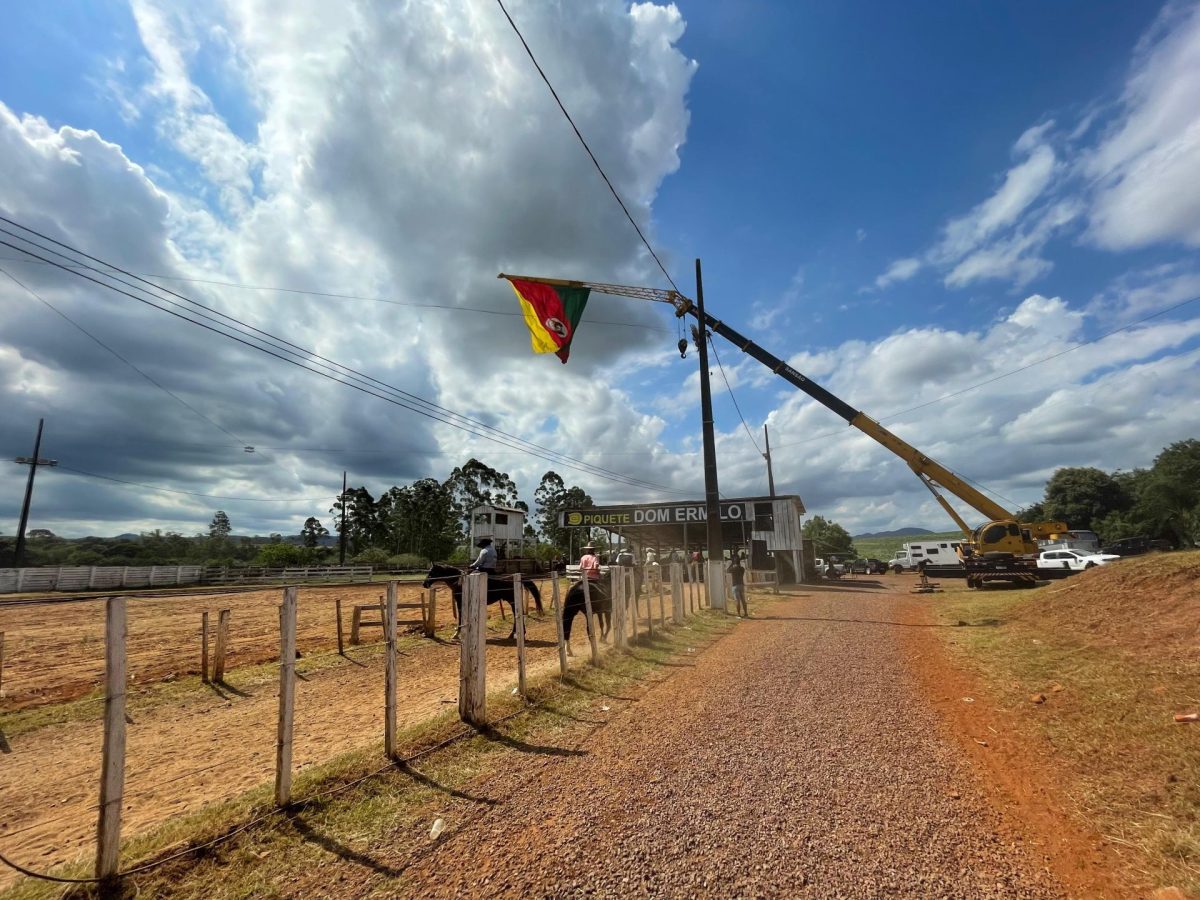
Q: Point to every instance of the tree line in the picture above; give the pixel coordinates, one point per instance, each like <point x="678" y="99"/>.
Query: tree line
<point x="406" y="525"/>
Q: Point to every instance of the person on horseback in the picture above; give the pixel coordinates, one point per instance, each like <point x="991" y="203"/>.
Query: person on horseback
<point x="486" y="561"/>
<point x="589" y="563"/>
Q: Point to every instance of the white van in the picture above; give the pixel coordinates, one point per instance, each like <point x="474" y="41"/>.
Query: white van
<point x="933" y="553"/>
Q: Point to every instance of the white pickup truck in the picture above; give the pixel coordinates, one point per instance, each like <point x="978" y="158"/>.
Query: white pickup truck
<point x="1075" y="560"/>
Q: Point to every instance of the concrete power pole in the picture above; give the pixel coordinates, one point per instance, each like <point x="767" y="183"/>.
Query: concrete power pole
<point x="33" y="462"/>
<point x="342" y="530"/>
<point x="712" y="496"/>
<point x="767" y="457"/>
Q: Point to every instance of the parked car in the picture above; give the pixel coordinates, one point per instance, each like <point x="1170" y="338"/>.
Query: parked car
<point x="860" y="567"/>
<point x="1136" y="546"/>
<point x="1073" y="560"/>
<point x="876" y="566"/>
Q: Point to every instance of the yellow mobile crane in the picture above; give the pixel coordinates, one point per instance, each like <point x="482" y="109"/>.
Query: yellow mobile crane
<point x="1002" y="549"/>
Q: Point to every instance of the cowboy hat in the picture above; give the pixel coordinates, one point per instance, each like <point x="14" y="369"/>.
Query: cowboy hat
<point x="587" y="547"/>
<point x="483" y="542"/>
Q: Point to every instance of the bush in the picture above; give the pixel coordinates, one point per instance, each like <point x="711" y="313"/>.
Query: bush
<point x="408" y="561"/>
<point x="461" y="555"/>
<point x="372" y="556"/>
<point x="279" y="556"/>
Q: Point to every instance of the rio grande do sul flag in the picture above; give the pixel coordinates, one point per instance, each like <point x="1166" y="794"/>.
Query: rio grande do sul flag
<point x="552" y="313"/>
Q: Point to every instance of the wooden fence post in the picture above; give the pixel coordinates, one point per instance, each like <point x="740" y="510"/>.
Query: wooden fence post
<point x="112" y="766"/>
<point x="287" y="697"/>
<point x="519" y="631"/>
<point x="389" y="678"/>
<point x="341" y="639"/>
<point x="662" y="605"/>
<point x="555" y="593"/>
<point x="472" y="668"/>
<point x="222" y="645"/>
<point x="2" y="661"/>
<point x="204" y="646"/>
<point x="431" y="612"/>
<point x="676" y="593"/>
<point x="591" y="626"/>
<point x="616" y="589"/>
<point x="631" y="598"/>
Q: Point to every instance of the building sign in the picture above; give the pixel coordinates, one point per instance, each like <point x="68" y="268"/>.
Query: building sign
<point x="629" y="516"/>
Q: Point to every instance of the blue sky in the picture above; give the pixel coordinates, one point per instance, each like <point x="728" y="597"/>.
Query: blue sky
<point x="904" y="200"/>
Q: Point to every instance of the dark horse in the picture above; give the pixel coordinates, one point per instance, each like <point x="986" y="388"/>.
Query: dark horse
<point x="499" y="590"/>
<point x="601" y="608"/>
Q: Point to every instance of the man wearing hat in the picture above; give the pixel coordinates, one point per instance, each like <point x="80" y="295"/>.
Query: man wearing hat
<point x="486" y="561"/>
<point x="589" y="563"/>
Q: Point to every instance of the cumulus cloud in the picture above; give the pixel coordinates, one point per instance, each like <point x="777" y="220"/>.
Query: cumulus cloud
<point x="1112" y="403"/>
<point x="408" y="154"/>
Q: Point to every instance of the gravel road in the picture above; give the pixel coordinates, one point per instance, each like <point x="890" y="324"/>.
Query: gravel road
<point x="795" y="757"/>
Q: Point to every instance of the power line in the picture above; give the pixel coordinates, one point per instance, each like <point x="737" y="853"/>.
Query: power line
<point x="304" y="358"/>
<point x="288" y="348"/>
<point x="590" y="154"/>
<point x="153" y="487"/>
<point x="713" y="345"/>
<point x="88" y="334"/>
<point x="1017" y="371"/>
<point x="443" y="307"/>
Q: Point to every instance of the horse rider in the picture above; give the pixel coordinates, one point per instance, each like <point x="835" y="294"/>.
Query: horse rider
<point x="486" y="561"/>
<point x="589" y="563"/>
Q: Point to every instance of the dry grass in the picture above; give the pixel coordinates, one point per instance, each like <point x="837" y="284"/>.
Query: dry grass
<point x="291" y="854"/>
<point x="1114" y="651"/>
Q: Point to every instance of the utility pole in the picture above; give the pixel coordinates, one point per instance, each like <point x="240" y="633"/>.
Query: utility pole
<point x="33" y="462"/>
<point x="767" y="457"/>
<point x="342" y="530"/>
<point x="712" y="496"/>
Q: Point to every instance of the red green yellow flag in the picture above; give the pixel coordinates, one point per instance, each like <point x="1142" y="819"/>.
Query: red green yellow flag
<point x="552" y="313"/>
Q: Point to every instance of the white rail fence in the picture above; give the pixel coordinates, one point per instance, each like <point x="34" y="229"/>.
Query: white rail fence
<point x="83" y="578"/>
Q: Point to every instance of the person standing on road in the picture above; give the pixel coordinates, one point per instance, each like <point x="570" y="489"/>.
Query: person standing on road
<point x="737" y="576"/>
<point x="486" y="561"/>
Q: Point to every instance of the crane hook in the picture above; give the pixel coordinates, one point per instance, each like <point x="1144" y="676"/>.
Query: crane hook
<point x="683" y="345"/>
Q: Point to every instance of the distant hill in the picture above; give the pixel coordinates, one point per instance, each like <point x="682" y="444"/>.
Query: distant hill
<point x="899" y="532"/>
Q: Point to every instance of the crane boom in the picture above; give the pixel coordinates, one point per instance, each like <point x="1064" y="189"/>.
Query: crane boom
<point x="922" y="465"/>
<point x="1002" y="536"/>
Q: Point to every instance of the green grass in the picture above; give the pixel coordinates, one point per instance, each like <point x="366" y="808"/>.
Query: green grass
<point x="885" y="548"/>
<point x="1134" y="774"/>
<point x="292" y="853"/>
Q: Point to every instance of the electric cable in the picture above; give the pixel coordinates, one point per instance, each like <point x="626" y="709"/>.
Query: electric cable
<point x="433" y="411"/>
<point x="97" y="340"/>
<point x="590" y="154"/>
<point x="164" y="490"/>
<point x="333" y="295"/>
<point x="713" y="346"/>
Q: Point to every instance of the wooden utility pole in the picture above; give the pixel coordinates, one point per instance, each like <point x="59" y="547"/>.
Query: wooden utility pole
<point x="33" y="462"/>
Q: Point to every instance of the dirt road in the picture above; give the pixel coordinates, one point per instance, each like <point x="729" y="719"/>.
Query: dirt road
<point x="797" y="756"/>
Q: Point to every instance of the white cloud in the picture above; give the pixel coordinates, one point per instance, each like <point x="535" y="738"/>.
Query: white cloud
<point x="1146" y="168"/>
<point x="900" y="270"/>
<point x="1023" y="184"/>
<point x="408" y="156"/>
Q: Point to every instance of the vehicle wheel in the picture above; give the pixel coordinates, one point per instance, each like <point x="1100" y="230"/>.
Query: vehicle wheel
<point x="1090" y="565"/>
<point x="896" y="570"/>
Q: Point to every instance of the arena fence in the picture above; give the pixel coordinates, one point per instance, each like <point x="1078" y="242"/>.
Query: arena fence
<point x="83" y="578"/>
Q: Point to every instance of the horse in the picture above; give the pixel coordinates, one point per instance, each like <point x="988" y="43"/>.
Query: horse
<point x="601" y="607"/>
<point x="498" y="590"/>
